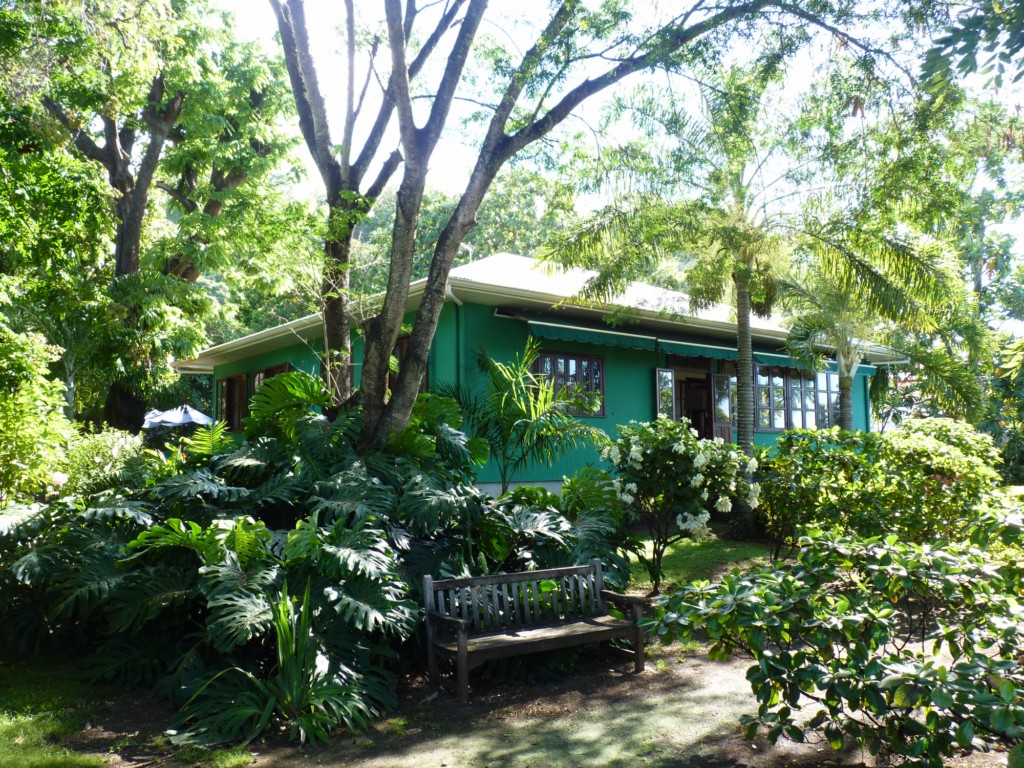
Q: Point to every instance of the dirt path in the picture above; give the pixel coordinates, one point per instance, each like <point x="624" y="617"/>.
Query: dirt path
<point x="682" y="712"/>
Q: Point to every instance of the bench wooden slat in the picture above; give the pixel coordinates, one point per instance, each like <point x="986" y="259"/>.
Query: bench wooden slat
<point x="510" y="614"/>
<point x="544" y="574"/>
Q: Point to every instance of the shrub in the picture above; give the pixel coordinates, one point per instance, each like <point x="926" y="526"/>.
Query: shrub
<point x="906" y="648"/>
<point x="33" y="428"/>
<point x="191" y="581"/>
<point x="104" y="460"/>
<point x="669" y="479"/>
<point x="922" y="481"/>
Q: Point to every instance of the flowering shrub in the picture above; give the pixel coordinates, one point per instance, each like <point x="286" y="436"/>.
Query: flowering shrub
<point x="670" y="480"/>
<point x="921" y="481"/>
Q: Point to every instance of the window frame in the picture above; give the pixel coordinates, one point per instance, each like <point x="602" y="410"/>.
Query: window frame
<point x="231" y="408"/>
<point x="578" y="357"/>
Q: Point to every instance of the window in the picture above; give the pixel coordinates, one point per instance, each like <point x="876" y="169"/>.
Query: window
<point x="770" y="398"/>
<point x="569" y="369"/>
<point x="268" y="373"/>
<point x="828" y="399"/>
<point x="233" y="401"/>
<point x="784" y="398"/>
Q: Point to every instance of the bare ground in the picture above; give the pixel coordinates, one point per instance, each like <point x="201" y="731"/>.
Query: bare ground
<point x="682" y="712"/>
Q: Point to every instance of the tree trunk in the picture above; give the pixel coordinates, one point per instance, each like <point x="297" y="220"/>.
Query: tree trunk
<point x="846" y="403"/>
<point x="744" y="367"/>
<point x="742" y="523"/>
<point x="336" y="302"/>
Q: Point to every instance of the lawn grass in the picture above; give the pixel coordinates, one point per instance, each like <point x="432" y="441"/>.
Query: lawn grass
<point x="688" y="560"/>
<point x="42" y="703"/>
<point x="39" y="705"/>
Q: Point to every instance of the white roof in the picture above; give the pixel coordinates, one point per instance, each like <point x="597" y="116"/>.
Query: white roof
<point x="511" y="281"/>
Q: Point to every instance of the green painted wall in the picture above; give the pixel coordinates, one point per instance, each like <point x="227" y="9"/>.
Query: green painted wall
<point x="462" y="331"/>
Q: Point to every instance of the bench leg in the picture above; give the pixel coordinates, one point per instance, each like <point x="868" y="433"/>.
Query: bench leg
<point x="462" y="667"/>
<point x="638" y="641"/>
<point x="435" y="678"/>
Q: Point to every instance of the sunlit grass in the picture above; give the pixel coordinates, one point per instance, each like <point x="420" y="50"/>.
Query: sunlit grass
<point x="690" y="560"/>
<point x="39" y="707"/>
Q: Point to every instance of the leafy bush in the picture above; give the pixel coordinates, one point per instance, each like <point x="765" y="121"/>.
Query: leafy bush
<point x="103" y="460"/>
<point x="191" y="581"/>
<point x="669" y="479"/>
<point x="33" y="428"/>
<point x="906" y="648"/>
<point x="921" y="481"/>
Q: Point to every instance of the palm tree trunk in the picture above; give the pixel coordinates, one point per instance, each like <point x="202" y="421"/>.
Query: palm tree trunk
<point x="846" y="403"/>
<point x="742" y="524"/>
<point x="744" y="367"/>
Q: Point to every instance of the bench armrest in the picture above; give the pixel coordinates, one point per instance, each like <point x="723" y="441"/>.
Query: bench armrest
<point x="615" y="597"/>
<point x="461" y="624"/>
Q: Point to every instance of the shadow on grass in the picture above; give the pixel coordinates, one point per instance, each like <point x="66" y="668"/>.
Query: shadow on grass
<point x="688" y="560"/>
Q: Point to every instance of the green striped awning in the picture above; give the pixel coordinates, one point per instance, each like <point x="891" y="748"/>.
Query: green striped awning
<point x="697" y="350"/>
<point x="562" y="332"/>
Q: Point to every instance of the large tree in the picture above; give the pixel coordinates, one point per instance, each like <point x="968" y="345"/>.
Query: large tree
<point x="577" y="51"/>
<point x="158" y="95"/>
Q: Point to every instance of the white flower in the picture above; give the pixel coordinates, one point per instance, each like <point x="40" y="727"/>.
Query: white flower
<point x="693" y="432"/>
<point x="680" y="447"/>
<point x="724" y="504"/>
<point x="631" y="487"/>
<point x="625" y="498"/>
<point x="718" y="441"/>
<point x="733" y="456"/>
<point x="704" y="495"/>
<point x="699" y="460"/>
<point x="662" y="416"/>
<point x="615" y="455"/>
<point x="752" y="466"/>
<point x="696" y="480"/>
<point x="754" y="496"/>
<point x="58" y="479"/>
<point x="604" y="453"/>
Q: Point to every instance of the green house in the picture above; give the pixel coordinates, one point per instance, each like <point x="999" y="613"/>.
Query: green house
<point x="662" y="359"/>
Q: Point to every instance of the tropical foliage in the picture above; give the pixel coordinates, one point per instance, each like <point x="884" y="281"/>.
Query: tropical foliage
<point x="33" y="429"/>
<point x="909" y="650"/>
<point x="924" y="480"/>
<point x="670" y="480"/>
<point x="269" y="582"/>
<point x="525" y="416"/>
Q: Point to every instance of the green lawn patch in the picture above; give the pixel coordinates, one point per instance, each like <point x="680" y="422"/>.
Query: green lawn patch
<point x="42" y="704"/>
<point x="688" y="560"/>
<point x="38" y="707"/>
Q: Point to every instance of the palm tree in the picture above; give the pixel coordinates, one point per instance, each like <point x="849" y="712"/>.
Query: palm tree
<point x="525" y="418"/>
<point x="729" y="234"/>
<point x="855" y="286"/>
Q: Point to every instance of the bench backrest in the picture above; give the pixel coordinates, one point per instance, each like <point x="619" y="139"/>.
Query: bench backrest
<point x="511" y="600"/>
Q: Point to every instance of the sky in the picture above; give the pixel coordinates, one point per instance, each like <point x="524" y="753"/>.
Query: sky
<point x="513" y="23"/>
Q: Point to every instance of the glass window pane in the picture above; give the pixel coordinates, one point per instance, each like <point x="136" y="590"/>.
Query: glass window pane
<point x="763" y="396"/>
<point x="763" y="415"/>
<point x="823" y="381"/>
<point x="779" y="419"/>
<point x="777" y="379"/>
<point x="809" y="420"/>
<point x="779" y="399"/>
<point x="585" y="373"/>
<point x="596" y="377"/>
<point x="665" y="392"/>
<point x="762" y="376"/>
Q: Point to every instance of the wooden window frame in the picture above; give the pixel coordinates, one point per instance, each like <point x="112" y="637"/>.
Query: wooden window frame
<point x="233" y="400"/>
<point x="578" y="357"/>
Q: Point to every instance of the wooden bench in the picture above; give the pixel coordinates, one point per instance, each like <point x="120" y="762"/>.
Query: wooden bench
<point x="477" y="619"/>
